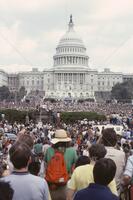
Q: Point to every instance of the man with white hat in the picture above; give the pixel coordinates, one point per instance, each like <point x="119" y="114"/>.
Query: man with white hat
<point x="61" y="143"/>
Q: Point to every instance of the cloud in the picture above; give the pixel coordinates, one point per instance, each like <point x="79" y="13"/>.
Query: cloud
<point x="28" y="6"/>
<point x="34" y="28"/>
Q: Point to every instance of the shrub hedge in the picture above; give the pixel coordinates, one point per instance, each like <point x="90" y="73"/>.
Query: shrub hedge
<point x="13" y="115"/>
<point x="74" y="116"/>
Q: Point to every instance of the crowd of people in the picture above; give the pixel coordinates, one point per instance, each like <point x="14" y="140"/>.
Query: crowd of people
<point x="73" y="161"/>
<point x="61" y="106"/>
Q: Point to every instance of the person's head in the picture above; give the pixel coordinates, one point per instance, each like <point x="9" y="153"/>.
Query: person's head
<point x="6" y="192"/>
<point x="97" y="151"/>
<point x="34" y="168"/>
<point x="82" y="160"/>
<point x="109" y="137"/>
<point x="20" y="155"/>
<point x="27" y="139"/>
<point x="39" y="141"/>
<point x="61" y="139"/>
<point x="104" y="171"/>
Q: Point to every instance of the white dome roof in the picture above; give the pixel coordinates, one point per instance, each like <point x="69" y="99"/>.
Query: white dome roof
<point x="70" y="52"/>
<point x="71" y="37"/>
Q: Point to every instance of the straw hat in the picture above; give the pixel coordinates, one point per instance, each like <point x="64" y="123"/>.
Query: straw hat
<point x="60" y="136"/>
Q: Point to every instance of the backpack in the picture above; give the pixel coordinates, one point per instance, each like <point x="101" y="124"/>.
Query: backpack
<point x="56" y="171"/>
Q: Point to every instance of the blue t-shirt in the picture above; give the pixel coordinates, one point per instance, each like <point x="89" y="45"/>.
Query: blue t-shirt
<point x="95" y="192"/>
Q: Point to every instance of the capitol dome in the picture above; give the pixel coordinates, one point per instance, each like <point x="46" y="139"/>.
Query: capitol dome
<point x="70" y="51"/>
<point x="71" y="37"/>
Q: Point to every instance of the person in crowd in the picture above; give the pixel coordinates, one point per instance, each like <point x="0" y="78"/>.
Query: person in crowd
<point x="6" y="192"/>
<point x="128" y="172"/>
<point x="23" y="137"/>
<point x="38" y="147"/>
<point x="103" y="173"/>
<point x="34" y="168"/>
<point x="3" y="168"/>
<point x="109" y="139"/>
<point x="27" y="139"/>
<point x="60" y="143"/>
<point x="82" y="160"/>
<point x="25" y="185"/>
<point x="83" y="175"/>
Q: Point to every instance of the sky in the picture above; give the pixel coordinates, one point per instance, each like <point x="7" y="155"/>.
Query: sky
<point x="31" y="29"/>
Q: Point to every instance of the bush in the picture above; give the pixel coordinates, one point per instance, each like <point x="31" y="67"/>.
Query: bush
<point x="13" y="115"/>
<point x="71" y="117"/>
<point x="68" y="117"/>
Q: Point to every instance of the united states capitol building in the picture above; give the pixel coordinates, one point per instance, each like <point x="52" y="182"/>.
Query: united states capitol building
<point x="70" y="76"/>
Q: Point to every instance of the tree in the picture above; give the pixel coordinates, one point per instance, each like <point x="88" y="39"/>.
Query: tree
<point x="123" y="91"/>
<point x="11" y="97"/>
<point x="21" y="93"/>
<point x="4" y="93"/>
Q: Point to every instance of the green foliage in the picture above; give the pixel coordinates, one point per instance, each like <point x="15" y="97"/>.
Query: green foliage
<point x="68" y="117"/>
<point x="21" y="93"/>
<point x="52" y="100"/>
<point x="11" y="97"/>
<point x="13" y="115"/>
<point x="88" y="100"/>
<point x="123" y="91"/>
<point x="71" y="117"/>
<point x="4" y="93"/>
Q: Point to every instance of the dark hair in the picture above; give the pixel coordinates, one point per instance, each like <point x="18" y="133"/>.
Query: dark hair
<point x="97" y="151"/>
<point x="60" y="144"/>
<point x="19" y="155"/>
<point x="27" y="139"/>
<point x="82" y="160"/>
<point x="6" y="192"/>
<point x="3" y="167"/>
<point x="109" y="137"/>
<point x="104" y="171"/>
<point x="34" y="168"/>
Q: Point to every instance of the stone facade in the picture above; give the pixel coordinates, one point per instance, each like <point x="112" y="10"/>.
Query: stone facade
<point x="70" y="76"/>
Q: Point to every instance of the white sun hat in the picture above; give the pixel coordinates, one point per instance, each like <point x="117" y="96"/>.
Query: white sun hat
<point x="60" y="136"/>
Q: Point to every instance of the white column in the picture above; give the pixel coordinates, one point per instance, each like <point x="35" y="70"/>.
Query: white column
<point x="79" y="60"/>
<point x="74" y="59"/>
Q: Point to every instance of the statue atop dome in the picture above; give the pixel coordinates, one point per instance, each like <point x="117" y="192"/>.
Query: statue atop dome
<point x="71" y="18"/>
<point x="71" y="25"/>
